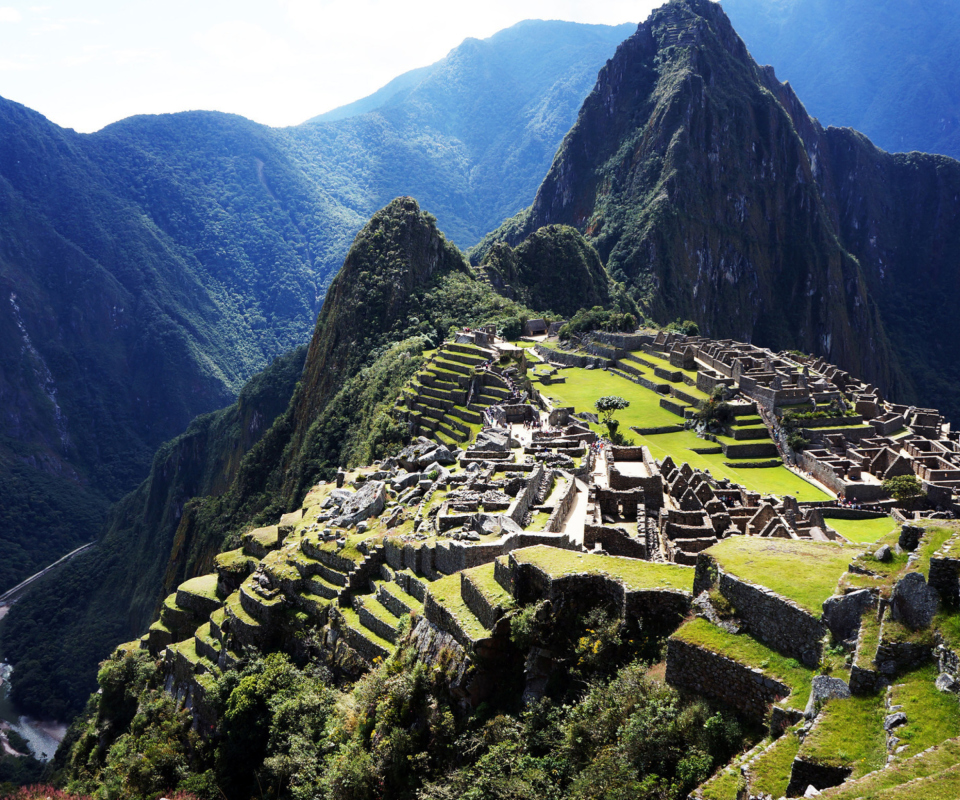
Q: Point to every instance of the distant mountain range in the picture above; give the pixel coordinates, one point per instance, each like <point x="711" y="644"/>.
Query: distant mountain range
<point x="149" y="269"/>
<point x="887" y="68"/>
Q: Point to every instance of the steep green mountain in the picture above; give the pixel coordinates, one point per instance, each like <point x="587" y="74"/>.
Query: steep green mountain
<point x="149" y="269"/>
<point x="886" y="68"/>
<point x="708" y="190"/>
<point x="401" y="287"/>
<point x="554" y="268"/>
<point x="102" y="595"/>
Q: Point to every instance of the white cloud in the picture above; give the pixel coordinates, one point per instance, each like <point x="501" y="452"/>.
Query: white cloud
<point x="8" y="14"/>
<point x="246" y="47"/>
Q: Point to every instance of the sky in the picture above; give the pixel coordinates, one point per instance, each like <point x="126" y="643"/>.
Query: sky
<point x="86" y="64"/>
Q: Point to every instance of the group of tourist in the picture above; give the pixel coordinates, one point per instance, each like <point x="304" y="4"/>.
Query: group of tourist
<point x="842" y="502"/>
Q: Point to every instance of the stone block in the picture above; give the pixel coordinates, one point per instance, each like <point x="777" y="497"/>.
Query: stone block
<point x="841" y="613"/>
<point x="913" y="602"/>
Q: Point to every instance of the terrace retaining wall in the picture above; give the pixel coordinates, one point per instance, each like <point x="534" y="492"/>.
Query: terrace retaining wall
<point x="744" y="688"/>
<point x="773" y="619"/>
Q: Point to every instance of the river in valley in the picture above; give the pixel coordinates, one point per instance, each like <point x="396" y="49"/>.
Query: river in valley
<point x="42" y="736"/>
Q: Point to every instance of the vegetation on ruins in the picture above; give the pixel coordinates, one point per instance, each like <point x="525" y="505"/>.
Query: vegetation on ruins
<point x="903" y="488"/>
<point x="715" y="413"/>
<point x="687" y="327"/>
<point x="607" y="406"/>
<point x="598" y="319"/>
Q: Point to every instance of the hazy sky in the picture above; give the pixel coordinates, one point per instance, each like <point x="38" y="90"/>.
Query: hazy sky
<point x="86" y="64"/>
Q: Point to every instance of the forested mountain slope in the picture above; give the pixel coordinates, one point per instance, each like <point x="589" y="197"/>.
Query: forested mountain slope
<point x="707" y="188"/>
<point x="887" y="68"/>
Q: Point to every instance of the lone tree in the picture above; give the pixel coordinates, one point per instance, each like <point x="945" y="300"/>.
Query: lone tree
<point x="903" y="487"/>
<point x="608" y="406"/>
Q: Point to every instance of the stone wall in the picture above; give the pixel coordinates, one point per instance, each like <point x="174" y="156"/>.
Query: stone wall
<point x="614" y="541"/>
<point x="944" y="577"/>
<point x="663" y="608"/>
<point x="744" y="688"/>
<point x="527" y="498"/>
<point x="623" y="341"/>
<point x="568" y="359"/>
<point x="562" y="510"/>
<point x="778" y="622"/>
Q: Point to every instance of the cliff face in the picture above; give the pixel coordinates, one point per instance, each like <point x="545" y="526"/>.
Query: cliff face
<point x="707" y="188"/>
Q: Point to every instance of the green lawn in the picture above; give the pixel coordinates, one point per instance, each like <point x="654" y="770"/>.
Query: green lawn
<point x="849" y="733"/>
<point x="805" y="572"/>
<point x="767" y="480"/>
<point x="633" y="573"/>
<point x="902" y="772"/>
<point x="770" y="772"/>
<point x="867" y="531"/>
<point x="747" y="650"/>
<point x="584" y="386"/>
<point x="932" y="716"/>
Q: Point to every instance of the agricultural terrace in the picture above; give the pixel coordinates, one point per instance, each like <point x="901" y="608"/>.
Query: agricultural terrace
<point x="866" y="531"/>
<point x="803" y="571"/>
<point x="632" y="573"/>
<point x="584" y="386"/>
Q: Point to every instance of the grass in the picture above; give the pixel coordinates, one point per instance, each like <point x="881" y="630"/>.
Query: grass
<point x="867" y="531"/>
<point x="482" y="578"/>
<point x="632" y="573"/>
<point x="408" y="599"/>
<point x="538" y="521"/>
<point x="380" y="611"/>
<point x="584" y="386"/>
<point x="446" y="592"/>
<point x="869" y="640"/>
<point x="932" y="716"/>
<point x="725" y="785"/>
<point x="901" y="772"/>
<point x="933" y="539"/>
<point x="849" y="733"/>
<point x="805" y="572"/>
<point x="766" y="480"/>
<point x="770" y="772"/>
<point x="202" y="586"/>
<point x="747" y="650"/>
<point x="352" y="621"/>
<point x="948" y="623"/>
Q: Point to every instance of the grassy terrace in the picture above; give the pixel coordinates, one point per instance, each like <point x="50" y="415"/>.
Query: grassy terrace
<point x="632" y="573"/>
<point x="849" y="733"/>
<point x="352" y="621"/>
<point x="446" y="592"/>
<point x="933" y="540"/>
<point x="867" y="531"/>
<point x="869" y="640"/>
<point x="932" y="716"/>
<point x="770" y="773"/>
<point x="767" y="480"/>
<point x="584" y="386"/>
<point x="495" y="594"/>
<point x="203" y="586"/>
<point x="902" y="772"/>
<point x="805" y="572"/>
<point x="746" y="650"/>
